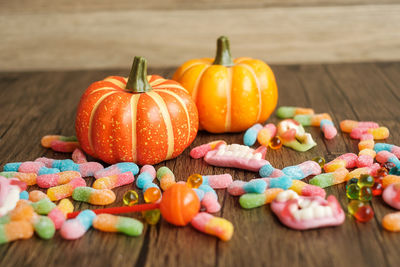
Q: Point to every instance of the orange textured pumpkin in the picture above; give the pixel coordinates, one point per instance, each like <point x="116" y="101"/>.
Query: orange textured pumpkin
<point x="143" y="119"/>
<point x="230" y="95"/>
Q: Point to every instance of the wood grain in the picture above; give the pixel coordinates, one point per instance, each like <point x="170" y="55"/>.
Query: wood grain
<point x="34" y="104"/>
<point x="87" y="40"/>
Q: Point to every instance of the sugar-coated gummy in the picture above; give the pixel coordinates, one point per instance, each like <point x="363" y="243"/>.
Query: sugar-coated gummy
<point x="112" y="223"/>
<point x="14" y="230"/>
<point x="43" y="206"/>
<point x="44" y="227"/>
<point x="250" y="136"/>
<point x="76" y="228"/>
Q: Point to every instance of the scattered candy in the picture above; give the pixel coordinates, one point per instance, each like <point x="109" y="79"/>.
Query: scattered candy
<point x="166" y="177"/>
<point x="194" y="180"/>
<point x="348" y="125"/>
<point x="250" y="136"/>
<point x="28" y="178"/>
<point x="65" y="190"/>
<point x="391" y="222"/>
<point x="237" y="156"/>
<point x="238" y="188"/>
<point x="29" y="167"/>
<point x="9" y="195"/>
<point x="37" y="195"/>
<point x="266" y="134"/>
<point x="212" y="225"/>
<point x="388" y="157"/>
<point x="51" y="180"/>
<point x="364" y="214"/>
<point x="328" y="128"/>
<point x="78" y="156"/>
<point x="356" y="173"/>
<point x="275" y="143"/>
<point x="152" y="217"/>
<point x="320" y="161"/>
<point x="391" y="195"/>
<point x="59" y="214"/>
<point x="390" y="179"/>
<point x="117" y="169"/>
<point x="48" y="139"/>
<point x="312" y="119"/>
<point x="285" y="112"/>
<point x="269" y="171"/>
<point x="348" y="161"/>
<point x="76" y="228"/>
<point x="365" y="180"/>
<point x="86" y="169"/>
<point x="304" y="189"/>
<point x="130" y="198"/>
<point x="283" y="182"/>
<point x="386" y="147"/>
<point x="43" y="206"/>
<point x="302" y="170"/>
<point x="44" y="227"/>
<point x="303" y="213"/>
<point x="328" y="179"/>
<point x="353" y="191"/>
<point x="253" y="200"/>
<point x="219" y="181"/>
<point x="152" y="195"/>
<point x="113" y="181"/>
<point x="201" y="151"/>
<point x="24" y="195"/>
<point x="294" y="136"/>
<point x="15" y="230"/>
<point x="93" y="196"/>
<point x="112" y="223"/>
<point x="146" y="176"/>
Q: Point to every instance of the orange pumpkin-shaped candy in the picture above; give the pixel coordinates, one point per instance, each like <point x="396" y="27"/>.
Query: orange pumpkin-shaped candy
<point x="142" y="119"/>
<point x="231" y="95"/>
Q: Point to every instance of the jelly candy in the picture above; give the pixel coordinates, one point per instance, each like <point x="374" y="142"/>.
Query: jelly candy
<point x="238" y="188"/>
<point x="391" y="195"/>
<point x="365" y="180"/>
<point x="377" y="189"/>
<point x="152" y="217"/>
<point x="365" y="194"/>
<point x="78" y="156"/>
<point x="113" y="181"/>
<point x="364" y="213"/>
<point x="354" y="205"/>
<point x="388" y="147"/>
<point x="275" y="143"/>
<point x="201" y="151"/>
<point x="117" y="169"/>
<point x="65" y="190"/>
<point x="294" y="136"/>
<point x="320" y="161"/>
<point x="166" y="177"/>
<point x="152" y="195"/>
<point x="50" y="180"/>
<point x="390" y="179"/>
<point x="29" y="167"/>
<point x="219" y="181"/>
<point x="130" y="198"/>
<point x="353" y="191"/>
<point x="15" y="230"/>
<point x="76" y="228"/>
<point x="312" y="119"/>
<point x="304" y="189"/>
<point x="36" y="195"/>
<point x="28" y="178"/>
<point x="348" y="161"/>
<point x="269" y="171"/>
<point x="194" y="180"/>
<point x="302" y="170"/>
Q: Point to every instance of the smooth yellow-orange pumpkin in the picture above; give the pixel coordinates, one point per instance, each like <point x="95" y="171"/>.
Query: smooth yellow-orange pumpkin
<point x="230" y="95"/>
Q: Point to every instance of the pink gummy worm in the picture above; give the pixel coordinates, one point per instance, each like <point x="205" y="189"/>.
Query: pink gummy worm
<point x="210" y="202"/>
<point x="30" y="167"/>
<point x="149" y="169"/>
<point x="201" y="151"/>
<point x="219" y="181"/>
<point x="366" y="136"/>
<point x="364" y="161"/>
<point x="46" y="161"/>
<point x="236" y="188"/>
<point x="309" y="168"/>
<point x="384" y="156"/>
<point x="329" y="131"/>
<point x="78" y="156"/>
<point x="350" y="158"/>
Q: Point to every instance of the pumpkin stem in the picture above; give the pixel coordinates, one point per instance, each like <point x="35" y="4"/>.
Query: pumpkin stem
<point x="137" y="81"/>
<point x="223" y="56"/>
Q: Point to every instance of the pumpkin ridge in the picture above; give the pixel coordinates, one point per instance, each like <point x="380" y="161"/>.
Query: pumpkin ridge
<point x="249" y="68"/>
<point x="179" y="99"/>
<point x="95" y="106"/>
<point x="114" y="81"/>
<point x="134" y="104"/>
<point x="167" y="120"/>
<point x="228" y="118"/>
<point x="103" y="89"/>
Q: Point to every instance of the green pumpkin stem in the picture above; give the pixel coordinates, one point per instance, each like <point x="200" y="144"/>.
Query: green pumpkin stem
<point x="137" y="81"/>
<point x="223" y="56"/>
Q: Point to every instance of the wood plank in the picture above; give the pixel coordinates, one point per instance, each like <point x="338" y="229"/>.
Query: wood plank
<point x="170" y="37"/>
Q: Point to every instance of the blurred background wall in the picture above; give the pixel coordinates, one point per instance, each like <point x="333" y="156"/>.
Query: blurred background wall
<point x="88" y="34"/>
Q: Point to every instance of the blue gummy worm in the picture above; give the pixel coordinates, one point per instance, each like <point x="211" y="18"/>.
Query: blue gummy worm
<point x="250" y="136"/>
<point x="128" y="167"/>
<point x="207" y="188"/>
<point x="86" y="218"/>
<point x="12" y="167"/>
<point x="24" y="195"/>
<point x="143" y="179"/>
<point x="200" y="193"/>
<point x="283" y="182"/>
<point x="324" y="122"/>
<point x="378" y="147"/>
<point x="266" y="170"/>
<point x="293" y="172"/>
<point x="255" y="186"/>
<point x="45" y="170"/>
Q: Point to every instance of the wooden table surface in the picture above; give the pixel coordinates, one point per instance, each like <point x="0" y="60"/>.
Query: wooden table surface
<point x="34" y="104"/>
